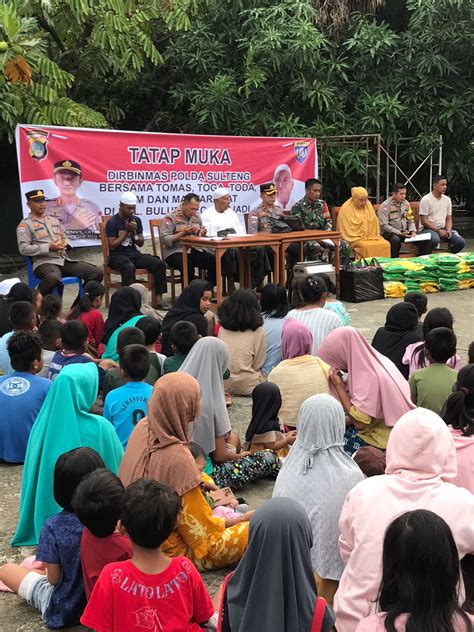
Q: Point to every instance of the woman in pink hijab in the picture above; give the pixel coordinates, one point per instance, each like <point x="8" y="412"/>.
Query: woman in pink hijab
<point x="421" y="465"/>
<point x="375" y="394"/>
<point x="299" y="375"/>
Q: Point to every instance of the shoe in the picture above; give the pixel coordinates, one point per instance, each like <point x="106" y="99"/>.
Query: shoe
<point x="162" y="307"/>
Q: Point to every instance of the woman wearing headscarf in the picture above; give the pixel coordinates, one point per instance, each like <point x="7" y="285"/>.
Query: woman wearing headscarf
<point x="158" y="449"/>
<point x="18" y="292"/>
<point x="375" y="394"/>
<point x="192" y="304"/>
<point x="64" y="423"/>
<point x="207" y="362"/>
<point x="360" y="227"/>
<point x="264" y="431"/>
<point x="421" y="465"/>
<point x="273" y="589"/>
<point x="146" y="309"/>
<point x="124" y="311"/>
<point x="458" y="413"/>
<point x="299" y="375"/>
<point x="319" y="474"/>
<point x="400" y="330"/>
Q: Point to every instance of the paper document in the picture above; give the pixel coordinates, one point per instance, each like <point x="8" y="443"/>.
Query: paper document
<point x="419" y="237"/>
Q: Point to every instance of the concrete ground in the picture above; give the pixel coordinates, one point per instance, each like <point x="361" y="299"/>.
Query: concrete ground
<point x="16" y="615"/>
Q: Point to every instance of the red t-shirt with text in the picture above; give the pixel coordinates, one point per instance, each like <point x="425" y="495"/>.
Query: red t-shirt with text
<point x="97" y="552"/>
<point x="126" y="600"/>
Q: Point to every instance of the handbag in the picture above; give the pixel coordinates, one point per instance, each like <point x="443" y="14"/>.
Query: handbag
<point x="277" y="226"/>
<point x="361" y="281"/>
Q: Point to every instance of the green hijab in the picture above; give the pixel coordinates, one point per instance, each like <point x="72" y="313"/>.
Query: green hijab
<point x="63" y="424"/>
<point x="110" y="352"/>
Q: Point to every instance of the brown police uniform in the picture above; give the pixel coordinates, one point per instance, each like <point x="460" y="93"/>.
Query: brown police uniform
<point x="172" y="252"/>
<point x="34" y="235"/>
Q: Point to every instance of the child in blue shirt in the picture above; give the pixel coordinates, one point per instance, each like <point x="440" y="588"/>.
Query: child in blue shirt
<point x="22" y="318"/>
<point x="58" y="592"/>
<point x="126" y="405"/>
<point x="22" y="394"/>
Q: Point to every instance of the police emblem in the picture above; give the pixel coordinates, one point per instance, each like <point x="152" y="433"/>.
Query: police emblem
<point x="15" y="386"/>
<point x="301" y="151"/>
<point x="38" y="140"/>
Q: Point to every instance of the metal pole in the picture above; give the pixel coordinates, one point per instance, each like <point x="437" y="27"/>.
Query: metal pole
<point x="440" y="161"/>
<point x="378" y="169"/>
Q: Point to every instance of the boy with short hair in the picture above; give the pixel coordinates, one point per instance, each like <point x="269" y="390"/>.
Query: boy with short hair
<point x="183" y="337"/>
<point x="126" y="405"/>
<point x="22" y="394"/>
<point x="114" y="378"/>
<point x="151" y="327"/>
<point x="151" y="590"/>
<point x="74" y="342"/>
<point x="22" y="318"/>
<point x="50" y="333"/>
<point x="97" y="505"/>
<point x="420" y="301"/>
<point x="430" y="387"/>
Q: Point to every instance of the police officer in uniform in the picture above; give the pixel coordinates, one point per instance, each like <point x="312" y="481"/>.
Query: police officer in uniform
<point x="259" y="217"/>
<point x="186" y="221"/>
<point x="42" y="238"/>
<point x="79" y="217"/>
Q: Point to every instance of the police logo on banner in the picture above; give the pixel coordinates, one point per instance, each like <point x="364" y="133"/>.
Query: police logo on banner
<point x="301" y="152"/>
<point x="15" y="386"/>
<point x="38" y="140"/>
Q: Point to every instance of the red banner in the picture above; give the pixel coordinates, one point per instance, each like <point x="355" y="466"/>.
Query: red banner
<point x="84" y="171"/>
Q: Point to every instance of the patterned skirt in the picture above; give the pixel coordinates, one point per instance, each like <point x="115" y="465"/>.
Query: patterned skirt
<point x="239" y="472"/>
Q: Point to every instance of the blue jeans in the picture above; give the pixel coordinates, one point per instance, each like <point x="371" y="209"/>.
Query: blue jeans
<point x="457" y="243"/>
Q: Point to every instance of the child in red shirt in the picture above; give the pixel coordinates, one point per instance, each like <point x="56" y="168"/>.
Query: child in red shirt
<point x="97" y="505"/>
<point x="86" y="309"/>
<point x="149" y="591"/>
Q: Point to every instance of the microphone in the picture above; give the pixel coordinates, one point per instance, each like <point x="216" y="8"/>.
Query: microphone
<point x="134" y="233"/>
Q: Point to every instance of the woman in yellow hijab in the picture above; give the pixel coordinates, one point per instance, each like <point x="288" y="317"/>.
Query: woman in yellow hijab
<point x="360" y="227"/>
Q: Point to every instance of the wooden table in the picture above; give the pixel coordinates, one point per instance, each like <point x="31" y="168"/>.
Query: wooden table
<point x="220" y="246"/>
<point x="301" y="236"/>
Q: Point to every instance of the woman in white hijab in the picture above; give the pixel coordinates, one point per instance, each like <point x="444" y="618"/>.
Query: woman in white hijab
<point x="318" y="474"/>
<point x="146" y="308"/>
<point x="207" y="361"/>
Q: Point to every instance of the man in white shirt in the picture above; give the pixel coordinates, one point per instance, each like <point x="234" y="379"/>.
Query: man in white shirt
<point x="436" y="216"/>
<point x="220" y="220"/>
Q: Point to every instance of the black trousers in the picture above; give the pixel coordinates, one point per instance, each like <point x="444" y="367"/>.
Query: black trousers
<point x="196" y="259"/>
<point x="50" y="275"/>
<point x="127" y="268"/>
<point x="396" y="241"/>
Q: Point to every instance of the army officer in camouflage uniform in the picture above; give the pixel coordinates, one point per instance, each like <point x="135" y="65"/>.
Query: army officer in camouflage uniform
<point x="186" y="221"/>
<point x="79" y="217"/>
<point x="42" y="238"/>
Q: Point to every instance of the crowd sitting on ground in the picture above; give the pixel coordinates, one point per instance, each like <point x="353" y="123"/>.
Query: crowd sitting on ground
<point x="371" y="447"/>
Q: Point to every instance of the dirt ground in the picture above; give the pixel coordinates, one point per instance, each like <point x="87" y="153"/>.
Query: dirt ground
<point x="16" y="616"/>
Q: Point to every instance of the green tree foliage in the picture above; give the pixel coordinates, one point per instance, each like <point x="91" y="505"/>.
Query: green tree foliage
<point x="59" y="58"/>
<point x="250" y="67"/>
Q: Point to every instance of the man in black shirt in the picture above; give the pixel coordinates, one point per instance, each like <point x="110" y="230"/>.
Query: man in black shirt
<point x="125" y="235"/>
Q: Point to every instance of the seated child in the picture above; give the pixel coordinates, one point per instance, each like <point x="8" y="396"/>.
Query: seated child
<point x="36" y="302"/>
<point x="222" y="501"/>
<point x="183" y="336"/>
<point x="127" y="404"/>
<point x="58" y="592"/>
<point x="264" y="431"/>
<point x="151" y="590"/>
<point x="50" y="333"/>
<point x="22" y="318"/>
<point x="114" y="378"/>
<point x="151" y="327"/>
<point x="86" y="309"/>
<point x="97" y="505"/>
<point x="74" y="342"/>
<point x="431" y="387"/>
<point x="420" y="301"/>
<point x="51" y="308"/>
<point x="420" y="580"/>
<point x="332" y="303"/>
<point x="21" y="395"/>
